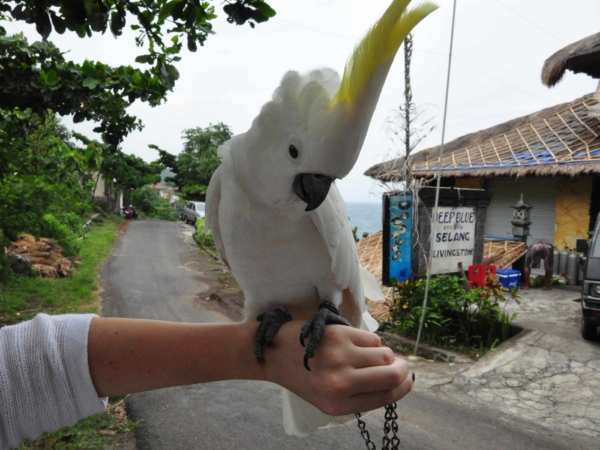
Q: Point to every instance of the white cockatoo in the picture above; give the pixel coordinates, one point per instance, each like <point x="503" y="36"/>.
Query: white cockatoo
<point x="278" y="220"/>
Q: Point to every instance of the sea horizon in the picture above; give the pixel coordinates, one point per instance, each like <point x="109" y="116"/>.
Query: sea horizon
<point x="366" y="216"/>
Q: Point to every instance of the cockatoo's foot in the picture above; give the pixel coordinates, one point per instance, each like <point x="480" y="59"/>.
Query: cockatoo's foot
<point x="327" y="314"/>
<point x="270" y="323"/>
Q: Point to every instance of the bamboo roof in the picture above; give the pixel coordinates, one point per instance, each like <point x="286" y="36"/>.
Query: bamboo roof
<point x="580" y="57"/>
<point x="564" y="139"/>
<point x="503" y="254"/>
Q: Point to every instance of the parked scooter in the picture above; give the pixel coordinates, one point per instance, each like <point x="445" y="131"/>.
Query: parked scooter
<point x="129" y="212"/>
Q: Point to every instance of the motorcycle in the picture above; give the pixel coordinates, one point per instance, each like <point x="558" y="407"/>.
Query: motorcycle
<point x="128" y="213"/>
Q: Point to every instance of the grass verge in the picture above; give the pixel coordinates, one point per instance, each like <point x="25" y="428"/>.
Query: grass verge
<point x="21" y="298"/>
<point x="100" y="431"/>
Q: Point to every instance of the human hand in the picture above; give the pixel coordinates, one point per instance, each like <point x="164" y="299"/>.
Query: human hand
<point x="350" y="372"/>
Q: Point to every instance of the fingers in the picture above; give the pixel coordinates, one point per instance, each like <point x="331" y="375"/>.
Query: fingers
<point x="361" y="338"/>
<point x="368" y="401"/>
<point x="379" y="378"/>
<point x="362" y="357"/>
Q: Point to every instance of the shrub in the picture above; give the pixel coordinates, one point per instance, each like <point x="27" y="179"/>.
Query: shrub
<point x="26" y="199"/>
<point x="205" y="239"/>
<point x="453" y="317"/>
<point x="4" y="262"/>
<point x="148" y="201"/>
<point x="52" y="228"/>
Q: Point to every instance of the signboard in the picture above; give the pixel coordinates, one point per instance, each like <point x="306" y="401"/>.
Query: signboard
<point x="453" y="239"/>
<point x="397" y="237"/>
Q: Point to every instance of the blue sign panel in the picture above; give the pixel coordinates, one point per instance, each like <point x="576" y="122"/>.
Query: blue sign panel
<point x="397" y="228"/>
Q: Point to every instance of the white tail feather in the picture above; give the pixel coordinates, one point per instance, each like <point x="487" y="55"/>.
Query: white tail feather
<point x="301" y="419"/>
<point x="371" y="286"/>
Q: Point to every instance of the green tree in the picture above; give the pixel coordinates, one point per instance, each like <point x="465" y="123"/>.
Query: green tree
<point x="198" y="160"/>
<point x="188" y="20"/>
<point x="32" y="144"/>
<point x="37" y="76"/>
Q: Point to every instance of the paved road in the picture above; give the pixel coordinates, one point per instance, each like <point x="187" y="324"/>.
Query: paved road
<point x="156" y="273"/>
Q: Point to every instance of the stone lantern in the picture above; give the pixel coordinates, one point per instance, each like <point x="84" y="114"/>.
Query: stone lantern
<point x="521" y="219"/>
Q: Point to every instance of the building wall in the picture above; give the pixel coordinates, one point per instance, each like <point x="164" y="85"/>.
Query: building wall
<point x="100" y="191"/>
<point x="469" y="183"/>
<point x="539" y="192"/>
<point x="573" y="197"/>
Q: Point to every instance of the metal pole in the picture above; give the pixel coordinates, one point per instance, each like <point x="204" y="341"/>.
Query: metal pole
<point x="439" y="179"/>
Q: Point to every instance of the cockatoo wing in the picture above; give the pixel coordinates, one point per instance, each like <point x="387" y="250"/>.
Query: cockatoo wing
<point x="332" y="222"/>
<point x="331" y="219"/>
<point x="213" y="198"/>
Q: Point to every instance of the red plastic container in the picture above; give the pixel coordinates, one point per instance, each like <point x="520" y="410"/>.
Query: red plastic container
<point x="478" y="272"/>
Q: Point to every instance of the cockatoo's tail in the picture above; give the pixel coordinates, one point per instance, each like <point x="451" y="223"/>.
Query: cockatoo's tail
<point x="345" y="119"/>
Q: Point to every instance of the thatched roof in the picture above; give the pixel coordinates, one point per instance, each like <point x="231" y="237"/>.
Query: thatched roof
<point x="580" y="57"/>
<point x="563" y="139"/>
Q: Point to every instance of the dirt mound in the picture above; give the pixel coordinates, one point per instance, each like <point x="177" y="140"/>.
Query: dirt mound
<point x="45" y="255"/>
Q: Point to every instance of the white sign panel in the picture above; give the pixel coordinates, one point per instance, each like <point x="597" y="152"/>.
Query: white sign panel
<point x="453" y="239"/>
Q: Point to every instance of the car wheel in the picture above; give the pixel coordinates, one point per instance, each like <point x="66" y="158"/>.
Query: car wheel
<point x="185" y="219"/>
<point x="588" y="330"/>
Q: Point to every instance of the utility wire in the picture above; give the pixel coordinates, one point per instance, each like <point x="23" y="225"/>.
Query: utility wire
<point x="527" y="20"/>
<point x="482" y="71"/>
<point x="314" y="29"/>
<point x="439" y="179"/>
<point x="419" y="51"/>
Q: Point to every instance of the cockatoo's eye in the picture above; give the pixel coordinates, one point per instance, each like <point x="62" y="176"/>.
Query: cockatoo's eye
<point x="295" y="149"/>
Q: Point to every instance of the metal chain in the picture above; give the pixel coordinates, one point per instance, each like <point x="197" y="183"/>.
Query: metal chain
<point x="390" y="426"/>
<point x="390" y="430"/>
<point x="364" y="433"/>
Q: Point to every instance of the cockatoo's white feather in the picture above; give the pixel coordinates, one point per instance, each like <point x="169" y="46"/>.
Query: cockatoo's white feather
<point x="280" y="254"/>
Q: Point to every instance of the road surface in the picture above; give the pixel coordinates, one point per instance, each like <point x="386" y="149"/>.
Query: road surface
<point x="155" y="272"/>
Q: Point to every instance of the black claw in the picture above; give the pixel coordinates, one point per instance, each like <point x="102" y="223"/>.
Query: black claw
<point x="306" y="363"/>
<point x="270" y="322"/>
<point x="315" y="327"/>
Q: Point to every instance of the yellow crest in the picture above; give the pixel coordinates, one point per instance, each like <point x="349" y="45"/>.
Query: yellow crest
<point x="379" y="45"/>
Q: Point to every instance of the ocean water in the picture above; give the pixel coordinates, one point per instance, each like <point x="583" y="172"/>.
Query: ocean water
<point x="365" y="215"/>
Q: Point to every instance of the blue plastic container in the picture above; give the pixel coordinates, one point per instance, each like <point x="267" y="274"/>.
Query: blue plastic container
<point x="509" y="278"/>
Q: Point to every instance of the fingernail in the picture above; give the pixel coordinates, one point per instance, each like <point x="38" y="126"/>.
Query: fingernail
<point x="413" y="377"/>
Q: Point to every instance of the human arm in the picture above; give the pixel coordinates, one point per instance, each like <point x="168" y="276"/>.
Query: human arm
<point x="351" y="371"/>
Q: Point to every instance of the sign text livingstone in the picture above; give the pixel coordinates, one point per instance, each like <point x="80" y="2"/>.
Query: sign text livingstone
<point x="453" y="239"/>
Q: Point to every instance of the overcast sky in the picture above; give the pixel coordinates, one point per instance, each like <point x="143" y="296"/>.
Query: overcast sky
<point x="499" y="49"/>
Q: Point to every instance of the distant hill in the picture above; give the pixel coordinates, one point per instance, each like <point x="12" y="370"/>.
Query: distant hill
<point x="166" y="174"/>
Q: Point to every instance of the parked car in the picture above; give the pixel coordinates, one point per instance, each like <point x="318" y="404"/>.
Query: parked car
<point x="590" y="294"/>
<point x="193" y="211"/>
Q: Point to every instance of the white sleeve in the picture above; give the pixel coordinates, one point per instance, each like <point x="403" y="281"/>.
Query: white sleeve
<point x="45" y="381"/>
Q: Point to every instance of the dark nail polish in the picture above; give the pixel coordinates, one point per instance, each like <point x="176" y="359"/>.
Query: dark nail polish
<point x="413" y="377"/>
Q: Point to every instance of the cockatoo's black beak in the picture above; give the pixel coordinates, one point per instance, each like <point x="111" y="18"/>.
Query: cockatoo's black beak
<point x="312" y="188"/>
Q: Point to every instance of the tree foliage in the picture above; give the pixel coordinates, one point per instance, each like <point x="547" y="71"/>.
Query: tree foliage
<point x="198" y="160"/>
<point x="188" y="20"/>
<point x="38" y="77"/>
<point x="31" y="144"/>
